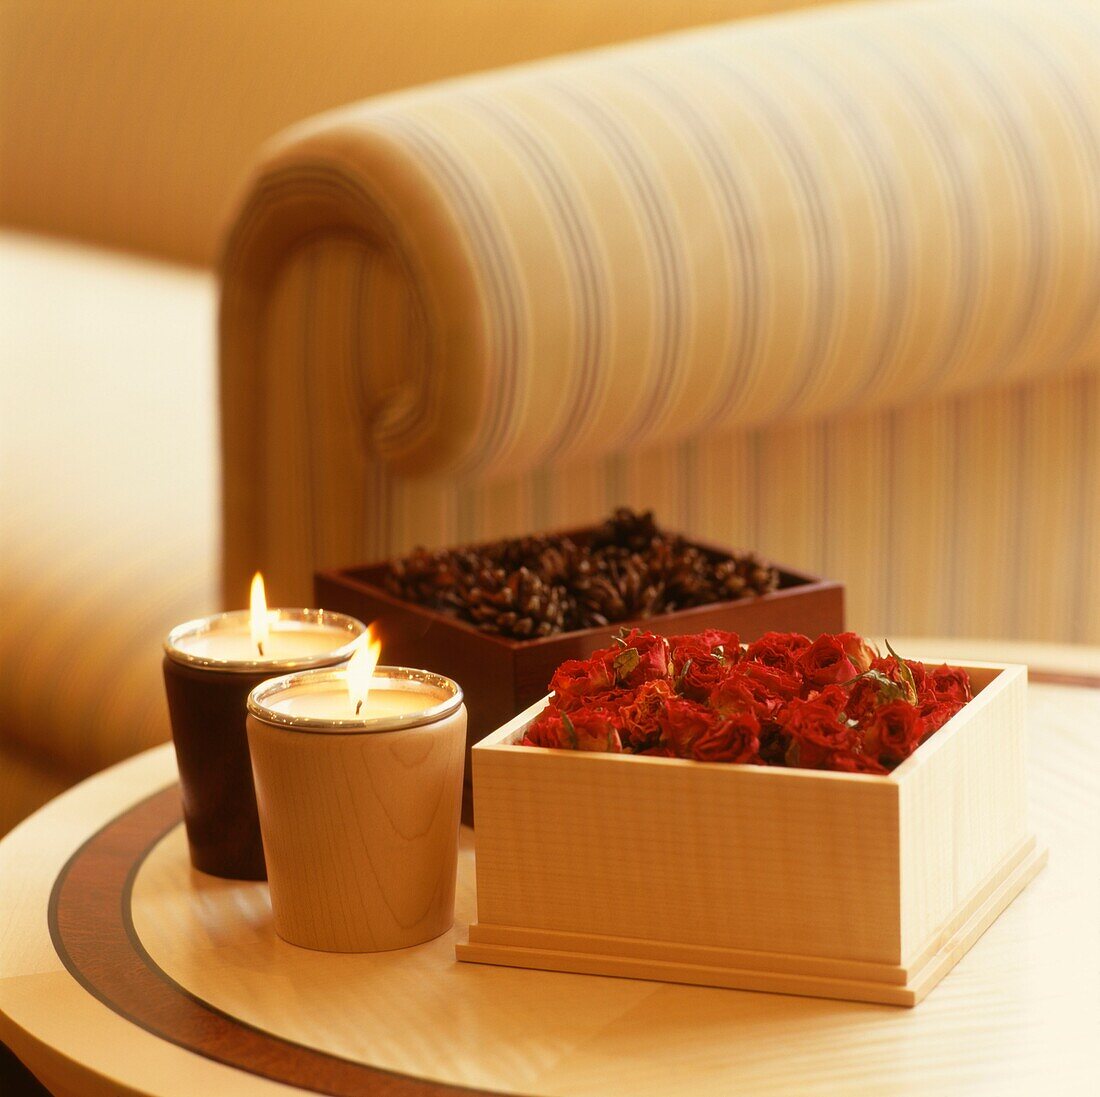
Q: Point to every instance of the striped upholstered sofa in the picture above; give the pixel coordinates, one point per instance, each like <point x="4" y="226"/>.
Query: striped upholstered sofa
<point x="826" y="283"/>
<point x="823" y="283"/>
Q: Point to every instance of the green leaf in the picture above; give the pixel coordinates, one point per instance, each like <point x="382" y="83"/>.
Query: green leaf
<point x="906" y="673"/>
<point x="625" y="663"/>
<point x="888" y="689"/>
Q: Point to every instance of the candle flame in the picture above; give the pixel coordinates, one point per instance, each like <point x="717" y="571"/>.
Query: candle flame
<point x="258" y="616"/>
<point x="361" y="669"/>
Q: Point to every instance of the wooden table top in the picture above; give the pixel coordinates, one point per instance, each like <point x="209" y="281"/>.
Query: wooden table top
<point x="122" y="969"/>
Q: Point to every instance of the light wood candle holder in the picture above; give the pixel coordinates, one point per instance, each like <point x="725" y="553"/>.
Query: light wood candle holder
<point x="806" y="882"/>
<point x="360" y="826"/>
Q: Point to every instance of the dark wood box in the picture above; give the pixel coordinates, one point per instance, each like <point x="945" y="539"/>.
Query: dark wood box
<point x="501" y="677"/>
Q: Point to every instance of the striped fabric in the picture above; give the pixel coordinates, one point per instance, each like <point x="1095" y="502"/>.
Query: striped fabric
<point x="826" y="285"/>
<point x="129" y="123"/>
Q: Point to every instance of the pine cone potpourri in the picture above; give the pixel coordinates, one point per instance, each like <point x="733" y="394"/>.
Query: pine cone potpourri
<point x="535" y="586"/>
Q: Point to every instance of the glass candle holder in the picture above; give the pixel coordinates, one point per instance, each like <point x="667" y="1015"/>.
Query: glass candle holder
<point x="359" y="810"/>
<point x="210" y="667"/>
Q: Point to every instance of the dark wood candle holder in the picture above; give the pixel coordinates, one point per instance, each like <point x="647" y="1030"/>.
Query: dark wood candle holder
<point x="208" y="687"/>
<point x="208" y="710"/>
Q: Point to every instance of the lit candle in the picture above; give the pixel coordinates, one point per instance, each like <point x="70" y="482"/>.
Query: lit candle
<point x="358" y="774"/>
<point x="264" y="640"/>
<point x="360" y="696"/>
<point x="210" y="667"/>
<point x="328" y="703"/>
<point x="356" y="696"/>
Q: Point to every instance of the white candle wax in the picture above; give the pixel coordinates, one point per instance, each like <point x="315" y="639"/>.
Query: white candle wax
<point x="285" y="640"/>
<point x="330" y="701"/>
<point x="319" y="700"/>
<point x="295" y="638"/>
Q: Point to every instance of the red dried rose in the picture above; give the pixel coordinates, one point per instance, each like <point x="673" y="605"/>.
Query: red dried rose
<point x="733" y="739"/>
<point x="735" y="693"/>
<point x="700" y="673"/>
<point x="576" y="681"/>
<point x="587" y="728"/>
<point x="830" y="704"/>
<point x="858" y="650"/>
<point x="772" y="683"/>
<point x="894" y="733"/>
<point x="638" y="726"/>
<point x="906" y="675"/>
<point x="863" y="700"/>
<point x="682" y="722"/>
<point x="637" y="657"/>
<point x="918" y="671"/>
<point x="814" y="732"/>
<point x="936" y="713"/>
<point x="777" y="649"/>
<point x="951" y="684"/>
<point x="546" y="730"/>
<point x="712" y="641"/>
<point x="763" y="690"/>
<point x="943" y="693"/>
<point x="825" y="662"/>
<point x="836" y="697"/>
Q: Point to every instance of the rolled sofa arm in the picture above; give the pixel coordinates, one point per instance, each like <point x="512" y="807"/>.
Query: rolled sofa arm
<point x="849" y="207"/>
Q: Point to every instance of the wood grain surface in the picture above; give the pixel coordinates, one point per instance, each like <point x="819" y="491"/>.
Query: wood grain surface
<point x="1017" y="1015"/>
<point x="806" y="882"/>
<point x="360" y="831"/>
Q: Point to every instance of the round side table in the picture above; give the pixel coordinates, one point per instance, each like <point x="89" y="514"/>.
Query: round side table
<point x="124" y="970"/>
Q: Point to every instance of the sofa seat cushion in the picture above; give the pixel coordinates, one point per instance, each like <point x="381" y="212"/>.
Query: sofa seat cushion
<point x="108" y="494"/>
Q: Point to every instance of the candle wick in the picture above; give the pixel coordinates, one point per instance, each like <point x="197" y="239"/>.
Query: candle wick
<point x="358" y="706"/>
<point x="260" y="645"/>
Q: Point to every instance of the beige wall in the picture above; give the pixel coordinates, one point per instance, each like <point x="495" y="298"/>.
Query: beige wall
<point x="130" y="122"/>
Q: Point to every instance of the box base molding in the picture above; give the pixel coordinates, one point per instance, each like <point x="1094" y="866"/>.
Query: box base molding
<point x="776" y="973"/>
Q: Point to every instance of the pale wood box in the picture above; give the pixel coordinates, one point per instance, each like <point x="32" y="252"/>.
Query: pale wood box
<point x="798" y="881"/>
